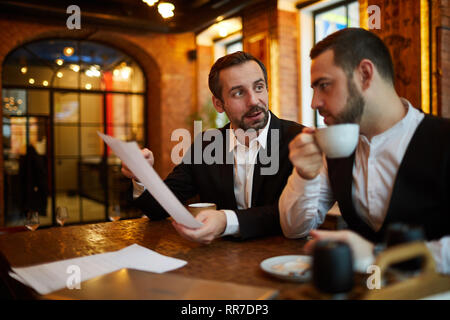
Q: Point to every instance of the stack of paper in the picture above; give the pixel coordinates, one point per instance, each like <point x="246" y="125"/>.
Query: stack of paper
<point x="48" y="277"/>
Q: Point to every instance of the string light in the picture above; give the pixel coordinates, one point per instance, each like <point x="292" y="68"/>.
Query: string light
<point x="74" y="67"/>
<point x="93" y="71"/>
<point x="59" y="74"/>
<point x="11" y="105"/>
<point x="24" y="70"/>
<point x="59" y="62"/>
<point x="68" y="51"/>
<point x="123" y="71"/>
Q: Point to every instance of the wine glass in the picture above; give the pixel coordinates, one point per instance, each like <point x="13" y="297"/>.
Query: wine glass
<point x="114" y="212"/>
<point x="32" y="220"/>
<point x="61" y="215"/>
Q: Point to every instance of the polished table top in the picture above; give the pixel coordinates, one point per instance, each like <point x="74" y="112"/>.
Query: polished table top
<point x="222" y="260"/>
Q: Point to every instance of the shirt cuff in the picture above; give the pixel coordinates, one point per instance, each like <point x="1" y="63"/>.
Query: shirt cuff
<point x="138" y="189"/>
<point x="232" y="228"/>
<point x="303" y="186"/>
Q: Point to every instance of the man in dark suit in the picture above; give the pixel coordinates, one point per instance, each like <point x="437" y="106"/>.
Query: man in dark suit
<point x="250" y="166"/>
<point x="400" y="170"/>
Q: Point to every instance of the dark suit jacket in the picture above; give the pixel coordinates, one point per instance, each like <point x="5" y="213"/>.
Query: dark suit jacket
<point x="214" y="183"/>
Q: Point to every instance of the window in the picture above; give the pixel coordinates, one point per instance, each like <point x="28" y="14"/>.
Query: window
<point x="233" y="46"/>
<point x="334" y="18"/>
<point x="326" y="18"/>
<point x="56" y="95"/>
<point x="331" y="19"/>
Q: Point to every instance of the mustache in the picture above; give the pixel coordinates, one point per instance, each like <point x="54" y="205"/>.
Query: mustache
<point x="255" y="109"/>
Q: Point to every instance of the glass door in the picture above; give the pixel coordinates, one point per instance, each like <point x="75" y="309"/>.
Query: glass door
<point x="27" y="171"/>
<point x="79" y="171"/>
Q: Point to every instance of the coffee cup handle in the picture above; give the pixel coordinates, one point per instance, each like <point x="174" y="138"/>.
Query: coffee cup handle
<point x="403" y="252"/>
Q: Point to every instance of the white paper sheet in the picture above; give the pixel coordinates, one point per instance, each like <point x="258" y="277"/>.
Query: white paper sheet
<point x="131" y="155"/>
<point x="49" y="277"/>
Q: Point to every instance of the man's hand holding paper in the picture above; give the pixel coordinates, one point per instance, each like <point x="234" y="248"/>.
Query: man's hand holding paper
<point x="214" y="224"/>
<point x="148" y="155"/>
<point x="140" y="167"/>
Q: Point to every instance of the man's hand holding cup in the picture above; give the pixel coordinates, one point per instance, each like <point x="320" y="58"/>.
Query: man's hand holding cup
<point x="305" y="154"/>
<point x="337" y="141"/>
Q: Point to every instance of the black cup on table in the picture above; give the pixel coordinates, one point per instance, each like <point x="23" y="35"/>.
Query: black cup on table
<point x="332" y="267"/>
<point x="400" y="233"/>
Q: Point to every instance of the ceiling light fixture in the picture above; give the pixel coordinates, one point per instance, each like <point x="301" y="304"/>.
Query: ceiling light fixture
<point x="24" y="70"/>
<point x="165" y="9"/>
<point x="222" y="29"/>
<point x="59" y="62"/>
<point x="150" y="2"/>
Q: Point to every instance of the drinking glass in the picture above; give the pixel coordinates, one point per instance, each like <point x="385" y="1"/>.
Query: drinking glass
<point x="114" y="212"/>
<point x="32" y="220"/>
<point x="62" y="214"/>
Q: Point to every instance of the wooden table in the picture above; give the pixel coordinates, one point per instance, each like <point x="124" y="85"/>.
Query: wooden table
<point x="223" y="260"/>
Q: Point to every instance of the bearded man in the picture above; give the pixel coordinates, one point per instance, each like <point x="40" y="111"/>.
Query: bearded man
<point x="252" y="164"/>
<point x="400" y="170"/>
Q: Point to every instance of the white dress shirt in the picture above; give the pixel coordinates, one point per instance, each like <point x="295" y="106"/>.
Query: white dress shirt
<point x="243" y="168"/>
<point x="305" y="203"/>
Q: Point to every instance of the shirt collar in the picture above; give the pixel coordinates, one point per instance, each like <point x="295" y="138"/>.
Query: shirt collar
<point x="411" y="113"/>
<point x="261" y="138"/>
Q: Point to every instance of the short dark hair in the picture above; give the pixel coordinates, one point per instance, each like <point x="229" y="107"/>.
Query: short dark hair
<point x="227" y="61"/>
<point x="351" y="45"/>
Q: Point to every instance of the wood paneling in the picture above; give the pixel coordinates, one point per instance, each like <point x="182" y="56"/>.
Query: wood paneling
<point x="400" y="30"/>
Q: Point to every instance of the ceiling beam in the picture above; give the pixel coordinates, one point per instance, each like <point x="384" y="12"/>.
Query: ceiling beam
<point x="26" y="10"/>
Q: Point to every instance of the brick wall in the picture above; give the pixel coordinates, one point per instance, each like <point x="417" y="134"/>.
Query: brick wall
<point x="289" y="68"/>
<point x="408" y="61"/>
<point x="443" y="83"/>
<point x="205" y="60"/>
<point x="400" y="30"/>
<point x="441" y="60"/>
<point x="259" y="30"/>
<point x="265" y="28"/>
<point x="169" y="73"/>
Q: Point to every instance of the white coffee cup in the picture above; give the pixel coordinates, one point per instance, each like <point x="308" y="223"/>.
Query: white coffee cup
<point x="339" y="140"/>
<point x="196" y="208"/>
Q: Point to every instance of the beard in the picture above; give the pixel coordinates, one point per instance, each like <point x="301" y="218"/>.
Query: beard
<point x="259" y="124"/>
<point x="354" y="106"/>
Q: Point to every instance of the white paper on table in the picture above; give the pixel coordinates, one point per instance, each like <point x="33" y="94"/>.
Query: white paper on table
<point x="49" y="277"/>
<point x="131" y="155"/>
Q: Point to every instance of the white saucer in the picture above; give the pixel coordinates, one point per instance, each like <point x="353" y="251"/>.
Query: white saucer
<point x="294" y="268"/>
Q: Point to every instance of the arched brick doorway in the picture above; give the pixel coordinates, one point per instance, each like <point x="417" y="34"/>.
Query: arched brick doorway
<point x="146" y="63"/>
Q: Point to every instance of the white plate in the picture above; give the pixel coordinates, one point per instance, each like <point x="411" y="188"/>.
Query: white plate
<point x="295" y="268"/>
